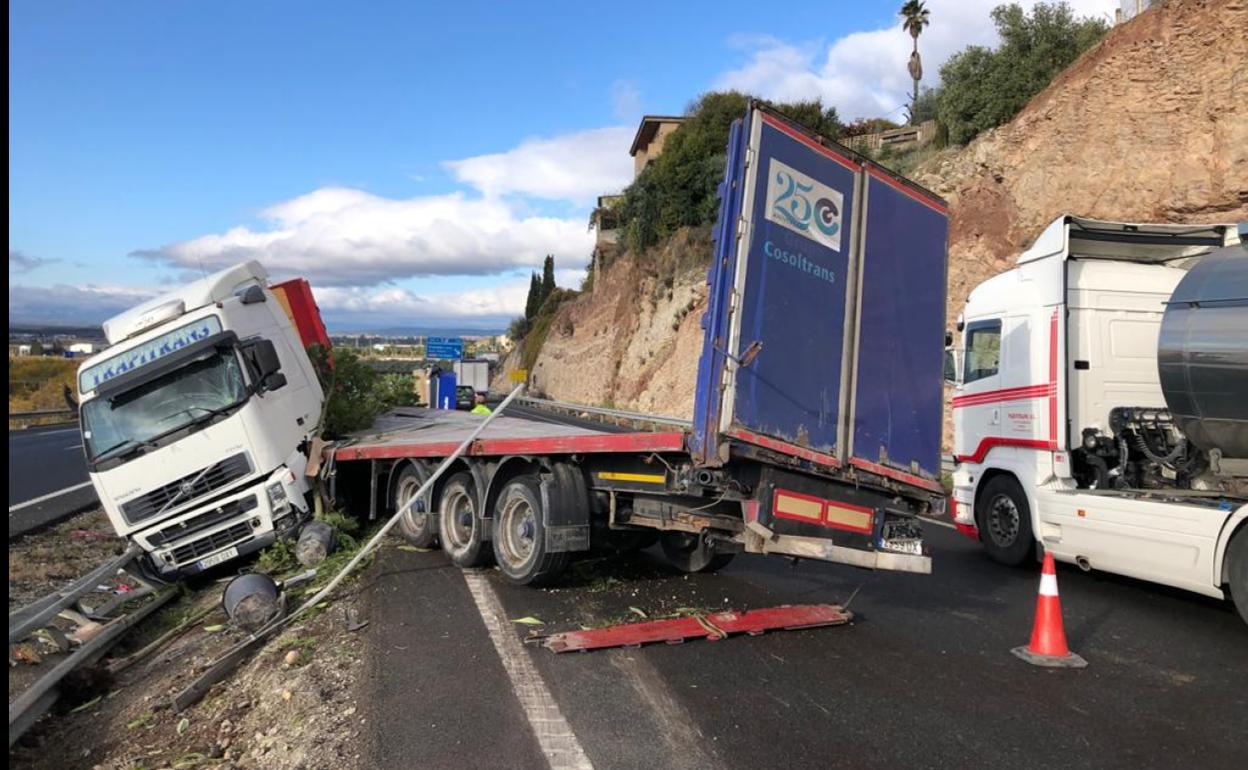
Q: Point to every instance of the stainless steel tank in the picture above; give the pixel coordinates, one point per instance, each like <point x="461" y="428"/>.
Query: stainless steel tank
<point x="1202" y="353"/>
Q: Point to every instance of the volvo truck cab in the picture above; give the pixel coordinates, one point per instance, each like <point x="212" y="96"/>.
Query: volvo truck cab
<point x="197" y="422"/>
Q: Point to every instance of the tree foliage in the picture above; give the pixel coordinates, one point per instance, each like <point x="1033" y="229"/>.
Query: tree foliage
<point x="983" y="88"/>
<point x="356" y="393"/>
<point x="548" y="278"/>
<point x="679" y="188"/>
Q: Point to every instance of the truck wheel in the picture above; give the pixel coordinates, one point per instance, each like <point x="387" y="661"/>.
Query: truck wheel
<point x="1237" y="571"/>
<point x="690" y="553"/>
<point x="460" y="525"/>
<point x="520" y="534"/>
<point x="1005" y="521"/>
<point x="418" y="525"/>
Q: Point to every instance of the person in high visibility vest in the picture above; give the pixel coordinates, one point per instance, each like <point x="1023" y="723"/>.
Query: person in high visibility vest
<point x="480" y="407"/>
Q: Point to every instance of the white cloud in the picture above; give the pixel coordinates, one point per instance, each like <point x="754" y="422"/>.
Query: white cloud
<point x="572" y="167"/>
<point x="400" y="306"/>
<point x="71" y="305"/>
<point x="338" y="236"/>
<point x="864" y="74"/>
<point x="345" y="237"/>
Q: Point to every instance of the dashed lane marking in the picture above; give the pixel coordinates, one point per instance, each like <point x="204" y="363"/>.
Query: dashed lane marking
<point x="44" y="498"/>
<point x="554" y="735"/>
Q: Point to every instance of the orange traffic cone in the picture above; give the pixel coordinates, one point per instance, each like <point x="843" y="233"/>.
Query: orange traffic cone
<point x="1048" y="638"/>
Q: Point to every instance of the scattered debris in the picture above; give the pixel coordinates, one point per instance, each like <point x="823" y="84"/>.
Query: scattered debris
<point x="528" y="621"/>
<point x="251" y="600"/>
<point x="713" y="626"/>
<point x="316" y="542"/>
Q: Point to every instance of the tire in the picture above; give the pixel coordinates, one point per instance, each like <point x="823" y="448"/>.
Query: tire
<point x="520" y="534"/>
<point x="1237" y="571"/>
<point x="690" y="553"/>
<point x="419" y="525"/>
<point x="1005" y="521"/>
<point x="460" y="525"/>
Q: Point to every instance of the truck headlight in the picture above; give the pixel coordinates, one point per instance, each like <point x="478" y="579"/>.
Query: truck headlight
<point x="279" y="503"/>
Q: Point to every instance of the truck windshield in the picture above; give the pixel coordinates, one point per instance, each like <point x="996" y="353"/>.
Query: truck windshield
<point x="195" y="392"/>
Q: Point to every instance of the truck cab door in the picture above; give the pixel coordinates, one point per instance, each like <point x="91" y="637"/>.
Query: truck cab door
<point x="977" y="413"/>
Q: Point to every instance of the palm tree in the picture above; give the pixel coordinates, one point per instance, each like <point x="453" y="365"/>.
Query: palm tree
<point x="916" y="15"/>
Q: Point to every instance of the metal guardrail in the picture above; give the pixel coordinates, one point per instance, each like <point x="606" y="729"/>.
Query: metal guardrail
<point x="21" y="420"/>
<point x="37" y="698"/>
<point x="601" y="413"/>
<point x="43" y="413"/>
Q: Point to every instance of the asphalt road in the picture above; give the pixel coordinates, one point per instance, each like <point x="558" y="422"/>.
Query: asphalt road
<point x="922" y="678"/>
<point x="46" y="465"/>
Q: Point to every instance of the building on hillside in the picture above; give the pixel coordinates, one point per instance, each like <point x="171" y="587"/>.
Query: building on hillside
<point x="82" y="348"/>
<point x="903" y="138"/>
<point x="1129" y="9"/>
<point x="652" y="134"/>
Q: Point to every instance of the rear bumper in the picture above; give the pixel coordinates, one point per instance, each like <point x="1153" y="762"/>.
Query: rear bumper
<point x="824" y="550"/>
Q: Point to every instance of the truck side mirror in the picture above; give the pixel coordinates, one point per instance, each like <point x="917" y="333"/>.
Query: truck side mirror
<point x="264" y="364"/>
<point x="951" y="366"/>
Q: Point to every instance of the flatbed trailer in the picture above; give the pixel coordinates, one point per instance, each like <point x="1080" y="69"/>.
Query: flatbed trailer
<point x="817" y="419"/>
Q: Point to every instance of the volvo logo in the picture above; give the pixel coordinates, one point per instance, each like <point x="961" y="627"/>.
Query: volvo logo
<point x="186" y="487"/>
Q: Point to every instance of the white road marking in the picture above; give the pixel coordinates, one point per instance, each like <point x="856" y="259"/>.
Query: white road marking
<point x="49" y="496"/>
<point x="554" y="735"/>
<point x="46" y="433"/>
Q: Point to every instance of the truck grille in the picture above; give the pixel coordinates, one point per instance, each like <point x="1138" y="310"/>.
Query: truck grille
<point x="216" y="541"/>
<point x="203" y="521"/>
<point x="196" y="484"/>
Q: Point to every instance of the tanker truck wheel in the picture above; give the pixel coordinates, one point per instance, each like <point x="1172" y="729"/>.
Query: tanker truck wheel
<point x="460" y="526"/>
<point x="1237" y="571"/>
<point x="691" y="553"/>
<point x="520" y="534"/>
<point x="1005" y="521"/>
<point x="418" y="524"/>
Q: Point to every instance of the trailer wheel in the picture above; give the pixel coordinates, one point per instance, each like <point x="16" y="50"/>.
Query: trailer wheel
<point x="418" y="525"/>
<point x="520" y="534"/>
<point x="460" y="525"/>
<point x="691" y="553"/>
<point x="1237" y="572"/>
<point x="1005" y="521"/>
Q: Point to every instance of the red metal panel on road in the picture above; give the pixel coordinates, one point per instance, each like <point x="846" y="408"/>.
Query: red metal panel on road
<point x="714" y="627"/>
<point x="437" y="433"/>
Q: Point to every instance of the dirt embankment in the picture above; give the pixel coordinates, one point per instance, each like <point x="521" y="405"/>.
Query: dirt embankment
<point x="293" y="705"/>
<point x="1151" y="125"/>
<point x="634" y="341"/>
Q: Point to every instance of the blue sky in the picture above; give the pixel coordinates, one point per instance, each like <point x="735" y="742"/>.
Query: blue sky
<point x="413" y="160"/>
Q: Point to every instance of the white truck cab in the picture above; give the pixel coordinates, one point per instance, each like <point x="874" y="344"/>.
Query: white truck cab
<point x="196" y="422"/>
<point x="1062" y="433"/>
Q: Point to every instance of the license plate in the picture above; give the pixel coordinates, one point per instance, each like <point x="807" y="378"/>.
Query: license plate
<point x="217" y="558"/>
<point x="905" y="546"/>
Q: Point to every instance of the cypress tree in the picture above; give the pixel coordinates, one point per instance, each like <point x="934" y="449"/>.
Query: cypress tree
<point x="548" y="278"/>
<point x="534" y="300"/>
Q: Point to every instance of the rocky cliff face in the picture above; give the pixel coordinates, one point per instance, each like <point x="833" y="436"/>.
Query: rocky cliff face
<point x="634" y="341"/>
<point x="1150" y="125"/>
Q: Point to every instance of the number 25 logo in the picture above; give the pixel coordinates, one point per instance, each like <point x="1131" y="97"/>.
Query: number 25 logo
<point x="795" y="207"/>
